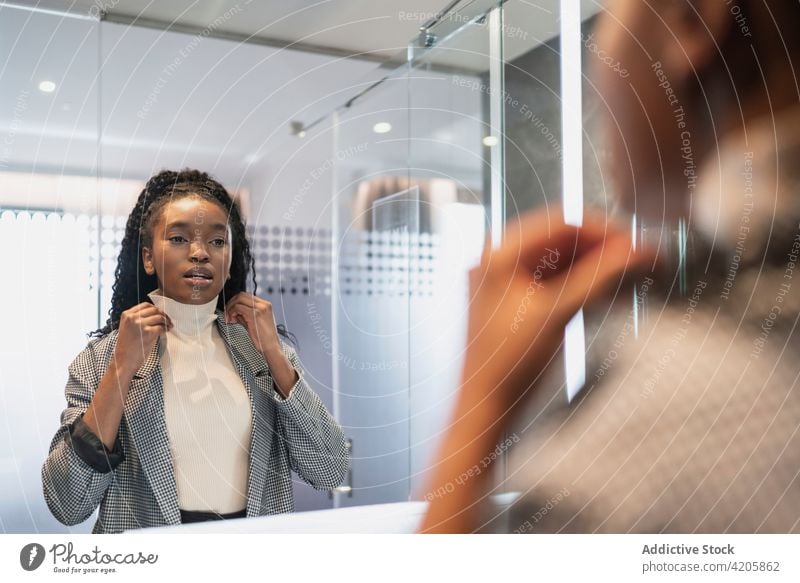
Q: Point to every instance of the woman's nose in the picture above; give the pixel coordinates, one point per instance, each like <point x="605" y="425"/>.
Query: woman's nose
<point x="198" y="251"/>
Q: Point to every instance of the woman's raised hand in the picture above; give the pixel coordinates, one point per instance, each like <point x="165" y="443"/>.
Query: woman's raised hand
<point x="522" y="296"/>
<point x="525" y="292"/>
<point x="139" y="329"/>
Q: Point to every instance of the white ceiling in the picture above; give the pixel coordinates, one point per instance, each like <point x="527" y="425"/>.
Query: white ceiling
<point x="369" y="27"/>
<point x="163" y="99"/>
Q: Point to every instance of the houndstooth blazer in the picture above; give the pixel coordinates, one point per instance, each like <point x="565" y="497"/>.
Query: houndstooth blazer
<point x="297" y="433"/>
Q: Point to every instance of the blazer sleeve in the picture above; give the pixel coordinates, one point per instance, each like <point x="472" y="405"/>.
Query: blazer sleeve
<point x="73" y="478"/>
<point x="314" y="440"/>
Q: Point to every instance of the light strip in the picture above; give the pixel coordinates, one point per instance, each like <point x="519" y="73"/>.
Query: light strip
<point x="572" y="174"/>
<point x="574" y="351"/>
<point x="496" y="125"/>
<point x="571" y="113"/>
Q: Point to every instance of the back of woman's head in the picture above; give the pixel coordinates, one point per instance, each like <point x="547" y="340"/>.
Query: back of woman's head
<point x="696" y="72"/>
<point x="132" y="283"/>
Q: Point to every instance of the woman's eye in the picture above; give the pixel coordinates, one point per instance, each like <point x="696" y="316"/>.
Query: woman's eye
<point x="177" y="239"/>
<point x="218" y="242"/>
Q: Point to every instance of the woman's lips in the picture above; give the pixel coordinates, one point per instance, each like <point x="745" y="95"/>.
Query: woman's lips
<point x="200" y="281"/>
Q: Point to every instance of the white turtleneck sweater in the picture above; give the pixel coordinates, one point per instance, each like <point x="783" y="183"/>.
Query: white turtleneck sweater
<point x="206" y="408"/>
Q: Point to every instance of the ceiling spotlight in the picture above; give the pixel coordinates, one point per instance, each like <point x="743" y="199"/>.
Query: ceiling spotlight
<point x="47" y="86"/>
<point x="297" y="129"/>
<point x="490" y="141"/>
<point x="382" y="127"/>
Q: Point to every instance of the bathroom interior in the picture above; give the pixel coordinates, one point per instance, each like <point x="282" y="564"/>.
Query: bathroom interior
<point x="374" y="159"/>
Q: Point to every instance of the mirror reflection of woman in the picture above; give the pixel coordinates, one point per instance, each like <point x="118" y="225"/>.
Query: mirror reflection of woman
<point x="188" y="405"/>
<point x="691" y="425"/>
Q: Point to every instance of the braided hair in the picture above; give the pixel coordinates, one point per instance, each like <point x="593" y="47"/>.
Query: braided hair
<point x="132" y="283"/>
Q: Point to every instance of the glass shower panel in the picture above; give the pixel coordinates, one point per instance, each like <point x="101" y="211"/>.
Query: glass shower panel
<point x="377" y="215"/>
<point x="454" y="146"/>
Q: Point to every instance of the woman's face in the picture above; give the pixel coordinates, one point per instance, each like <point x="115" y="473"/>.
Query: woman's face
<point x="191" y="250"/>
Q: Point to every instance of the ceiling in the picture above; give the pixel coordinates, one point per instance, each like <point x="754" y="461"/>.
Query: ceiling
<point x="161" y="98"/>
<point x="367" y="28"/>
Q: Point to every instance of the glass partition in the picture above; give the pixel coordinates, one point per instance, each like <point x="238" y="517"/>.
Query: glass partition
<point x="419" y="159"/>
<point x="455" y="161"/>
<point x="376" y="217"/>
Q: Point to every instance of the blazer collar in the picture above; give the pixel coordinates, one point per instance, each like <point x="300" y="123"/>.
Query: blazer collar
<point x="238" y="341"/>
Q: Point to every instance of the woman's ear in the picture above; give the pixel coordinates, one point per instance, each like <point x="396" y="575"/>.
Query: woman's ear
<point x="697" y="31"/>
<point x="147" y="261"/>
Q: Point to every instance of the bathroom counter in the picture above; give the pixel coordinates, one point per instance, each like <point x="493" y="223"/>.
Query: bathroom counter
<point x="397" y="517"/>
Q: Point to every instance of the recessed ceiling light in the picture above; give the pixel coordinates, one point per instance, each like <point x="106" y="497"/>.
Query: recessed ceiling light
<point x="490" y="141"/>
<point x="47" y="86"/>
<point x="382" y="127"/>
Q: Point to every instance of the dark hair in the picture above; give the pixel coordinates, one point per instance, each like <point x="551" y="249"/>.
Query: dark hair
<point x="132" y="283"/>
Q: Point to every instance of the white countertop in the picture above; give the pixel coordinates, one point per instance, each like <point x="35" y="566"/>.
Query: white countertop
<point x="397" y="517"/>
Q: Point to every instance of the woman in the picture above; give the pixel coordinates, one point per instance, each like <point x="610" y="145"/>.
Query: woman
<point x="187" y="406"/>
<point x="690" y="422"/>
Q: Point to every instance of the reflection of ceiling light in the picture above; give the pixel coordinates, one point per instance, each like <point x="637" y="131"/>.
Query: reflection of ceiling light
<point x="490" y="141"/>
<point x="47" y="86"/>
<point x="382" y="127"/>
<point x="301" y="134"/>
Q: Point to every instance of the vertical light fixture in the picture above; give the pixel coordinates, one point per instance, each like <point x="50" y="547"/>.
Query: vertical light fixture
<point x="496" y="125"/>
<point x="572" y="173"/>
<point x="571" y="113"/>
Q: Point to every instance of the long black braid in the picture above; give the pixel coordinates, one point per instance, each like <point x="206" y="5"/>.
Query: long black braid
<point x="132" y="283"/>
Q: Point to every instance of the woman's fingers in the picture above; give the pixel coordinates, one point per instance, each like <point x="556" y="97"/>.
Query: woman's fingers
<point x="153" y="314"/>
<point x="156" y="319"/>
<point x="544" y="233"/>
<point x="595" y="273"/>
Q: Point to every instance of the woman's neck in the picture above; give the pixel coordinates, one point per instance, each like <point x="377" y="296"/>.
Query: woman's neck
<point x="189" y="319"/>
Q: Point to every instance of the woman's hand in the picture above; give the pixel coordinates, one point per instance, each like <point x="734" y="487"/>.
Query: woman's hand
<point x="522" y="296"/>
<point x="139" y="329"/>
<point x="255" y="314"/>
<point x="525" y="292"/>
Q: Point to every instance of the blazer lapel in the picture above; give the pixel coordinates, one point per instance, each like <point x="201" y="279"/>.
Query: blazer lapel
<point x="253" y="370"/>
<point x="144" y="411"/>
